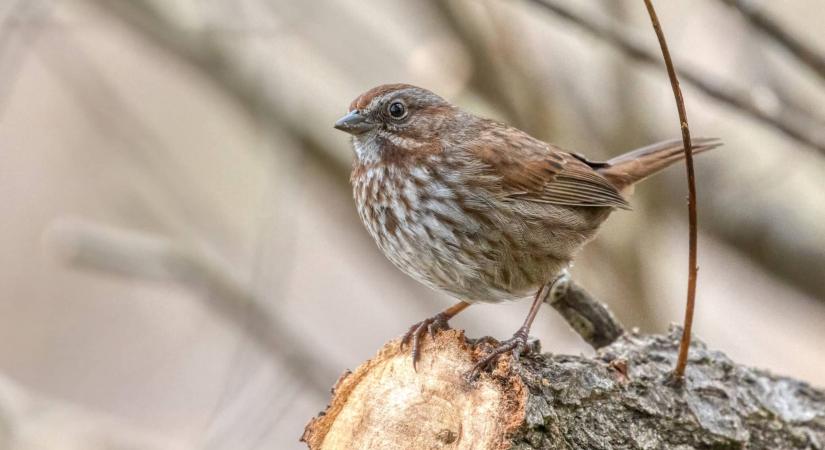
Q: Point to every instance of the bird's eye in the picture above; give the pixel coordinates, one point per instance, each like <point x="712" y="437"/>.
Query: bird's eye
<point x="397" y="110"/>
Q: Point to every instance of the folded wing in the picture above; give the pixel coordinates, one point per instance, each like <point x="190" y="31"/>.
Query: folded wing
<point x="532" y="170"/>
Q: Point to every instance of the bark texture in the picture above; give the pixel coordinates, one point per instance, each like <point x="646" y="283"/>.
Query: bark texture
<point x="619" y="399"/>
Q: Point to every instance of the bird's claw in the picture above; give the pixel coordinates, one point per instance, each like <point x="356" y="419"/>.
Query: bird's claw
<point x="517" y="345"/>
<point x="416" y="332"/>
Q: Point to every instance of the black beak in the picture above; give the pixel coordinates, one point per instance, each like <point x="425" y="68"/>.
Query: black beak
<point x="354" y="123"/>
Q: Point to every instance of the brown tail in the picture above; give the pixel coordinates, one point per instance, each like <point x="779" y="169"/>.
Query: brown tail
<point x="628" y="169"/>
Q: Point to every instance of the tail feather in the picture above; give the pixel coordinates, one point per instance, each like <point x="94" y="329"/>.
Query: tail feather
<point x="628" y="169"/>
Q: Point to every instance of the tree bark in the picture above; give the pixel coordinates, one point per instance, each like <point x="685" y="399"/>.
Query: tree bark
<point x="619" y="398"/>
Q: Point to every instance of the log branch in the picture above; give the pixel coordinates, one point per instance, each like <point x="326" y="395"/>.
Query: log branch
<point x="588" y="317"/>
<point x="617" y="399"/>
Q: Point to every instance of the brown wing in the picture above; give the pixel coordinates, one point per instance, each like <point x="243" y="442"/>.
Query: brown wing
<point x="536" y="171"/>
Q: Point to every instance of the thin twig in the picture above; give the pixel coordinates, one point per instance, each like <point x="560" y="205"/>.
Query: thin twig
<point x="791" y="122"/>
<point x="802" y="52"/>
<point x="693" y="269"/>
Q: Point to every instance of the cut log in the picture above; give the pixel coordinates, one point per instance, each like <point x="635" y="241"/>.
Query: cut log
<point x="619" y="398"/>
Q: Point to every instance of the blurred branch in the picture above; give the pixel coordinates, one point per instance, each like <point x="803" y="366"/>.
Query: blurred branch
<point x="30" y="420"/>
<point x="783" y="241"/>
<point x="242" y="84"/>
<point x="149" y="257"/>
<point x="771" y="28"/>
<point x="113" y="115"/>
<point x="488" y="79"/>
<point x="773" y="239"/>
<point x="223" y="69"/>
<point x="220" y="67"/>
<point x="792" y="123"/>
<point x="19" y="29"/>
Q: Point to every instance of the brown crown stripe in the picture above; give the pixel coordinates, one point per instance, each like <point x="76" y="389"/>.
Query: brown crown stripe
<point x="364" y="99"/>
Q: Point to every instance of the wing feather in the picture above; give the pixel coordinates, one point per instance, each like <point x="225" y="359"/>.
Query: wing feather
<point x="532" y="170"/>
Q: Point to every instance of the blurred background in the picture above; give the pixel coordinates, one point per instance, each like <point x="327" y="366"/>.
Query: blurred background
<point x="182" y="265"/>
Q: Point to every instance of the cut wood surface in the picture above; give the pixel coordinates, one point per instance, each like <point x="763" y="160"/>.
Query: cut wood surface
<point x="619" y="398"/>
<point x="385" y="404"/>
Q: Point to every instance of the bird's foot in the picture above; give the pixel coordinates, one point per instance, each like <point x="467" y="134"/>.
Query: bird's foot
<point x="416" y="333"/>
<point x="517" y="346"/>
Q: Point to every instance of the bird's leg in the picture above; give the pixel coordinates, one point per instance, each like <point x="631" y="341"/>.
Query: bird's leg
<point x="518" y="343"/>
<point x="431" y="325"/>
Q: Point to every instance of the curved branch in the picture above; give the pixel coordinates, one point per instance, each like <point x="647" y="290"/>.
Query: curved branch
<point x="693" y="268"/>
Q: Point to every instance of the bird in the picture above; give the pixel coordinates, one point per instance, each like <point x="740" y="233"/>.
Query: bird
<point x="478" y="209"/>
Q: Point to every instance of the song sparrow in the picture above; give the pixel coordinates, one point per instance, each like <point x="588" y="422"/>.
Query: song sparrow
<point x="475" y="208"/>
